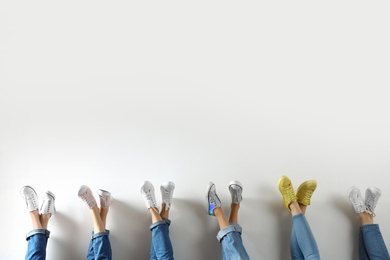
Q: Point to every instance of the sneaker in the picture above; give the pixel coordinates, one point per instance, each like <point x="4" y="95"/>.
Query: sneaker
<point x="305" y="191"/>
<point x="235" y="188"/>
<point x="212" y="199"/>
<point x="287" y="191"/>
<point x="48" y="203"/>
<point x="105" y="198"/>
<point x="30" y="197"/>
<point x="147" y="191"/>
<point x="372" y="196"/>
<point x="355" y="197"/>
<point x="86" y="195"/>
<point x="167" y="193"/>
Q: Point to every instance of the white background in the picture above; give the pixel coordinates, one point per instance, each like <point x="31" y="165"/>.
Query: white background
<point x="111" y="93"/>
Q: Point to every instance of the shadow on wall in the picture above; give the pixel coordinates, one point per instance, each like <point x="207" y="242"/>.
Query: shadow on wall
<point x="59" y="243"/>
<point x="127" y="223"/>
<point x="344" y="206"/>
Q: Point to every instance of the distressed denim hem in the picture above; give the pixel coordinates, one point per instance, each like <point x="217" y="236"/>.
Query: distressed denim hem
<point x="232" y="228"/>
<point x="160" y="222"/>
<point x="38" y="231"/>
<point x="100" y="234"/>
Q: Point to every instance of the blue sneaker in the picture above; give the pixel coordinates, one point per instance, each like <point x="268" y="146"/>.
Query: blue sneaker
<point x="212" y="199"/>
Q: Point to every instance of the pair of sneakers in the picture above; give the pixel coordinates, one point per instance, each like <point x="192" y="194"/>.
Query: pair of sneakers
<point x="368" y="204"/>
<point x="166" y="188"/>
<point x="47" y="205"/>
<point x="85" y="193"/>
<point x="303" y="194"/>
<point x="213" y="201"/>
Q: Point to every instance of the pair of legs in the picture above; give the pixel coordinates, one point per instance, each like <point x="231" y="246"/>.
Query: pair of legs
<point x="303" y="245"/>
<point x="38" y="236"/>
<point x="99" y="246"/>
<point x="371" y="243"/>
<point x="230" y="231"/>
<point x="161" y="246"/>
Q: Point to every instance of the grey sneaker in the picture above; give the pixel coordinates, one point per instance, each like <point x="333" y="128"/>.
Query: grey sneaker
<point x="147" y="191"/>
<point x="372" y="196"/>
<point x="48" y="203"/>
<point x="235" y="188"/>
<point x="30" y="197"/>
<point x="167" y="189"/>
<point x="213" y="201"/>
<point x="355" y="197"/>
<point x="105" y="198"/>
<point x="86" y="195"/>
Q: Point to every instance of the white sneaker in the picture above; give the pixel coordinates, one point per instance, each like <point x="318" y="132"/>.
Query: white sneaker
<point x="48" y="203"/>
<point x="372" y="196"/>
<point x="30" y="197"/>
<point x="86" y="195"/>
<point x="355" y="197"/>
<point x="105" y="198"/>
<point x="235" y="188"/>
<point x="167" y="189"/>
<point x="213" y="200"/>
<point x="147" y="191"/>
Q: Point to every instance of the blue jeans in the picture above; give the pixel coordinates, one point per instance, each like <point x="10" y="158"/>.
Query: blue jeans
<point x="303" y="244"/>
<point x="231" y="241"/>
<point x="161" y="247"/>
<point x="36" y="244"/>
<point x="100" y="246"/>
<point x="371" y="244"/>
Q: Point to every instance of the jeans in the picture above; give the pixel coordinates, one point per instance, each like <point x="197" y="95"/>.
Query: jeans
<point x="371" y="244"/>
<point x="100" y="246"/>
<point x="232" y="246"/>
<point x="161" y="247"/>
<point x="36" y="244"/>
<point x="302" y="243"/>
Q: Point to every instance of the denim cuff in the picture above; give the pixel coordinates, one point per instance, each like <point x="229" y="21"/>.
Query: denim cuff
<point x="100" y="234"/>
<point x="232" y="228"/>
<point x="369" y="227"/>
<point x="160" y="222"/>
<point x="38" y="231"/>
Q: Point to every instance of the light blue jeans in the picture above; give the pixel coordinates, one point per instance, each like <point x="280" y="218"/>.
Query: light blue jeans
<point x="371" y="244"/>
<point x="161" y="247"/>
<point x="36" y="244"/>
<point x="100" y="246"/>
<point x="231" y="241"/>
<point x="302" y="243"/>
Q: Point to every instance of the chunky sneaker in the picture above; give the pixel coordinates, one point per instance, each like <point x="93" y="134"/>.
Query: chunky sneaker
<point x="86" y="195"/>
<point x="355" y="197"/>
<point x="287" y="191"/>
<point x="167" y="193"/>
<point x="235" y="188"/>
<point x="30" y="197"/>
<point x="212" y="199"/>
<point x="105" y="198"/>
<point x="372" y="196"/>
<point x="48" y="203"/>
<point x="305" y="191"/>
<point x="147" y="191"/>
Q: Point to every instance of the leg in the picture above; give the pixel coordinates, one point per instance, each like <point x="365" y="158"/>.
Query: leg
<point x="100" y="246"/>
<point x="371" y="243"/>
<point x="161" y="246"/>
<point x="305" y="238"/>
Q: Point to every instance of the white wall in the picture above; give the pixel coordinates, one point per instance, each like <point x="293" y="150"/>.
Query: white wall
<point x="111" y="94"/>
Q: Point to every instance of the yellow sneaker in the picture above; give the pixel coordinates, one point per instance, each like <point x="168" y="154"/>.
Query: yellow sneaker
<point x="286" y="188"/>
<point x="305" y="191"/>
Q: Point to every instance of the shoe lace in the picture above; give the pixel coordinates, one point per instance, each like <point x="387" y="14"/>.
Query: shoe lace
<point x="150" y="200"/>
<point x="88" y="199"/>
<point x="289" y="193"/>
<point x="307" y="195"/>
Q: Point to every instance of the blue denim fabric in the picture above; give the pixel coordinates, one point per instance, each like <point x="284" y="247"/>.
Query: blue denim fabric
<point x="302" y="243"/>
<point x="100" y="246"/>
<point x="371" y="244"/>
<point x="36" y="244"/>
<point x="231" y="241"/>
<point x="161" y="247"/>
